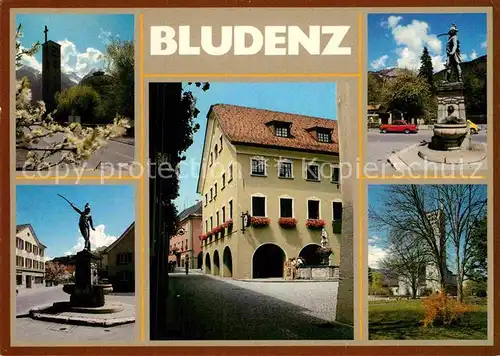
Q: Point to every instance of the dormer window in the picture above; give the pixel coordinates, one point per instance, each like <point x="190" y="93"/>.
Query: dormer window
<point x="324" y="136"/>
<point x="282" y="130"/>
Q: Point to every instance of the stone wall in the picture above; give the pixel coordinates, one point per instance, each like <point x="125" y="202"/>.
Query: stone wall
<point x="318" y="272"/>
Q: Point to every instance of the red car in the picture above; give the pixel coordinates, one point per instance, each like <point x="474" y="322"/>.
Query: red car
<point x="398" y="126"/>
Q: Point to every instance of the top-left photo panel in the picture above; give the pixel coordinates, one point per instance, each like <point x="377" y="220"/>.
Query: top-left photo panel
<point x="72" y="87"/>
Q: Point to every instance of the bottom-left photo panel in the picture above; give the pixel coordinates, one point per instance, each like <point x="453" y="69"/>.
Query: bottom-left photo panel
<point x="74" y="265"/>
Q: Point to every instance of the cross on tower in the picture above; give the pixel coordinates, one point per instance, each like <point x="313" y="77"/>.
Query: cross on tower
<point x="45" y="31"/>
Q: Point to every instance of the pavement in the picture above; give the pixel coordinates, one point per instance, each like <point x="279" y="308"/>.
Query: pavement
<point x="381" y="146"/>
<point x="211" y="308"/>
<point x="41" y="331"/>
<point x="117" y="151"/>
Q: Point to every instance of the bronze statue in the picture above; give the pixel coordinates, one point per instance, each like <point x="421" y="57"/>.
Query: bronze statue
<point x="453" y="54"/>
<point x="85" y="222"/>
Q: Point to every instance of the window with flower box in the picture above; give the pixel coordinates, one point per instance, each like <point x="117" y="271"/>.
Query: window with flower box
<point x="286" y="208"/>
<point x="258" y="206"/>
<point x="313" y="209"/>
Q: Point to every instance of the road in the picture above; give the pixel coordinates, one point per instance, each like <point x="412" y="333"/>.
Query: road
<point x="114" y="152"/>
<point x="208" y="308"/>
<point x="381" y="146"/>
<point x="29" y="298"/>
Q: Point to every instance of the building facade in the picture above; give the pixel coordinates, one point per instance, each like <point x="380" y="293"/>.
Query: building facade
<point x="186" y="245"/>
<point x="283" y="170"/>
<point x="30" y="260"/>
<point x="119" y="260"/>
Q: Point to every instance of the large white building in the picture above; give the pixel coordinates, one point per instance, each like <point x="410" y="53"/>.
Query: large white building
<point x="30" y="260"/>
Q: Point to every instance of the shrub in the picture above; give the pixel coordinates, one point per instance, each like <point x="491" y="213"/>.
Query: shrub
<point x="440" y="309"/>
<point x="426" y="292"/>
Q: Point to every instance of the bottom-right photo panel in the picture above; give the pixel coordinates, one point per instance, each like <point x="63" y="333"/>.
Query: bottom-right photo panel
<point x="427" y="261"/>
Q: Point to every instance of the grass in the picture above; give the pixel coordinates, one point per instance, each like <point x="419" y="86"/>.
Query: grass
<point x="401" y="320"/>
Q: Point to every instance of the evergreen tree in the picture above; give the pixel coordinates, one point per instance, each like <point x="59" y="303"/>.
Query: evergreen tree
<point x="426" y="71"/>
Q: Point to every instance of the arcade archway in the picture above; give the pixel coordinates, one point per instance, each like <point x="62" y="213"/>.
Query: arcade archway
<point x="308" y="253"/>
<point x="227" y="261"/>
<point x="267" y="262"/>
<point x="208" y="266"/>
<point x="216" y="269"/>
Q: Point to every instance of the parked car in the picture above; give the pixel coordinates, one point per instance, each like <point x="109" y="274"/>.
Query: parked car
<point x="398" y="126"/>
<point x="474" y="129"/>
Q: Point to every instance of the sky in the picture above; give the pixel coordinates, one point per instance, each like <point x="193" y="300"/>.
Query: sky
<point x="397" y="40"/>
<point x="56" y="223"/>
<point x="377" y="198"/>
<point x="83" y="37"/>
<point x="313" y="99"/>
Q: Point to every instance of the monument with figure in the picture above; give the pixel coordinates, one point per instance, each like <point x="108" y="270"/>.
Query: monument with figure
<point x="85" y="292"/>
<point x="87" y="305"/>
<point x="451" y="142"/>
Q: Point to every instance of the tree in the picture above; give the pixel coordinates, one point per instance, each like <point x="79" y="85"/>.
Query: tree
<point x="172" y="113"/>
<point x="407" y="257"/>
<point x="80" y="100"/>
<point x="54" y="272"/>
<point x="410" y="208"/>
<point x="375" y="89"/>
<point x="69" y="144"/>
<point x="409" y="94"/>
<point x="120" y="65"/>
<point x="426" y="70"/>
<point x="476" y="268"/>
<point x="464" y="205"/>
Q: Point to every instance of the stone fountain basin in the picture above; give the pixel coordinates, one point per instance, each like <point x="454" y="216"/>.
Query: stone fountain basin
<point x="451" y="131"/>
<point x="106" y="288"/>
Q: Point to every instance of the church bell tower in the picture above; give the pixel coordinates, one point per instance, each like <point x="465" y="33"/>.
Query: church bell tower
<point x="51" y="71"/>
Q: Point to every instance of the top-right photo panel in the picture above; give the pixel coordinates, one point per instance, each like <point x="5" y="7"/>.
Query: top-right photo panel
<point x="427" y="94"/>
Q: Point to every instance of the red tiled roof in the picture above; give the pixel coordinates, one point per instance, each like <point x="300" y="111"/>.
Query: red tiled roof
<point x="249" y="126"/>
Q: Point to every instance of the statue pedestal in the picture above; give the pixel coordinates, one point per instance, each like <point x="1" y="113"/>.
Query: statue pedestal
<point x="450" y="136"/>
<point x="83" y="292"/>
<point x="451" y="93"/>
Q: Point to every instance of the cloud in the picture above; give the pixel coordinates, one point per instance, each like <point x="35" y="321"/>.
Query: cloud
<point x="473" y="55"/>
<point x="375" y="255"/>
<point x="80" y="63"/>
<point x="484" y="44"/>
<point x="379" y="62"/>
<point x="72" y="61"/>
<point x="105" y="36"/>
<point x="393" y="21"/>
<point x="411" y="40"/>
<point x="98" y="238"/>
<point x="30" y="61"/>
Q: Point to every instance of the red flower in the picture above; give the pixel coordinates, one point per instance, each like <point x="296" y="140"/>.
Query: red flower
<point x="213" y="232"/>
<point x="259" y="221"/>
<point x="287" y="222"/>
<point x="228" y="223"/>
<point x="315" y="223"/>
<point x="218" y="229"/>
<point x="203" y="237"/>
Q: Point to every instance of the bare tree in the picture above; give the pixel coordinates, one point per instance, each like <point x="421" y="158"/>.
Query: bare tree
<point x="410" y="208"/>
<point x="407" y="257"/>
<point x="463" y="206"/>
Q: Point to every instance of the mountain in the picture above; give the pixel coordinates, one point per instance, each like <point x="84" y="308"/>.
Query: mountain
<point x="68" y="80"/>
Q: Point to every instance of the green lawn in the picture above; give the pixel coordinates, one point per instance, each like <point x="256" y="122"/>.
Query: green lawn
<point x="400" y="320"/>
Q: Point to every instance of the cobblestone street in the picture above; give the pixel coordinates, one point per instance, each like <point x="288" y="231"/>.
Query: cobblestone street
<point x="208" y="308"/>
